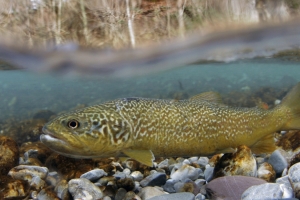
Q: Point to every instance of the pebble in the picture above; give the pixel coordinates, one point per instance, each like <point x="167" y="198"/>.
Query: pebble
<point x="137" y="176"/>
<point x="230" y="187"/>
<point x="187" y="186"/>
<point x="127" y="171"/>
<point x="163" y="164"/>
<point x="242" y="162"/>
<point x="203" y="161"/>
<point x="149" y="192"/>
<point x="121" y="192"/>
<point x="27" y="172"/>
<point x="105" y="180"/>
<point x="61" y="189"/>
<point x="94" y="174"/>
<point x="37" y="183"/>
<point x="294" y="177"/>
<point x="120" y="175"/>
<point x="285" y="181"/>
<point x="14" y="189"/>
<point x="175" y="196"/>
<point x="193" y="159"/>
<point x="186" y="171"/>
<point x="208" y="173"/>
<point x="126" y="183"/>
<point x="200" y="197"/>
<point x="131" y="196"/>
<point x="156" y="179"/>
<point x="169" y="185"/>
<point x="84" y="189"/>
<point x="278" y="161"/>
<point x="9" y="154"/>
<point x="47" y="194"/>
<point x="267" y="191"/>
<point x="200" y="182"/>
<point x="266" y="172"/>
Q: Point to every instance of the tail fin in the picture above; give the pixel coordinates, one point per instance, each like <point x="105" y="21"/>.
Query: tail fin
<point x="292" y="101"/>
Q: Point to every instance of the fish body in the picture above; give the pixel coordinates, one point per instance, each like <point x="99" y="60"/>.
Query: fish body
<point x="141" y="127"/>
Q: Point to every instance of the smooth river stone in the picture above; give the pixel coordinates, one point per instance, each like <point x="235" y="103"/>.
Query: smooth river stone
<point x="231" y="187"/>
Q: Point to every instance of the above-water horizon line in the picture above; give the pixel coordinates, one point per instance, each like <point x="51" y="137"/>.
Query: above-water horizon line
<point x="224" y="45"/>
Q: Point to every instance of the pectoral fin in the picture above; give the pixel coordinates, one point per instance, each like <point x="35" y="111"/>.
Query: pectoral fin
<point x="145" y="157"/>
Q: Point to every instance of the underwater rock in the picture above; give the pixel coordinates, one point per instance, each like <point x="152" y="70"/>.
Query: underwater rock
<point x="278" y="161"/>
<point x="294" y="177"/>
<point x="295" y="159"/>
<point x="131" y="196"/>
<point x="9" y="154"/>
<point x="47" y="194"/>
<point x="200" y="197"/>
<point x="208" y="173"/>
<point x="266" y="172"/>
<point x="94" y="174"/>
<point x="169" y="185"/>
<point x="137" y="175"/>
<point x="285" y="181"/>
<point x="290" y="141"/>
<point x="62" y="190"/>
<point x="13" y="189"/>
<point x="41" y="152"/>
<point x="149" y="192"/>
<point x="203" y="161"/>
<point x="28" y="172"/>
<point x="186" y="171"/>
<point x="230" y="187"/>
<point x="156" y="179"/>
<point x="126" y="183"/>
<point x="131" y="164"/>
<point x="267" y="191"/>
<point x="82" y="188"/>
<point x="215" y="159"/>
<point x="105" y="180"/>
<point x="187" y="186"/>
<point x="69" y="167"/>
<point x="241" y="162"/>
<point x="175" y="196"/>
<point x="121" y="192"/>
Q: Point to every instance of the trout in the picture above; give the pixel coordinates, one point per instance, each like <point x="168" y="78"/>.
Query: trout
<point x="140" y="128"/>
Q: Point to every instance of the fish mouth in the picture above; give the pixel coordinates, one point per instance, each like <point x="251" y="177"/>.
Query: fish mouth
<point x="48" y="136"/>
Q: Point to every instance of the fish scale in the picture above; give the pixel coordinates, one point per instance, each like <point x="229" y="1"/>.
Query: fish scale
<point x="141" y="127"/>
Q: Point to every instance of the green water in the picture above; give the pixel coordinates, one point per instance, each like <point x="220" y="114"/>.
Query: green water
<point x="23" y="93"/>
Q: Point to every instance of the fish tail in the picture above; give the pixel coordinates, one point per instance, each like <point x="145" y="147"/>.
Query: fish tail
<point x="292" y="102"/>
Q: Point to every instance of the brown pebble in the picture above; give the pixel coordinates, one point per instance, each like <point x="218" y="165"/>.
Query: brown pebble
<point x="13" y="189"/>
<point x="213" y="160"/>
<point x="290" y="141"/>
<point x="241" y="162"/>
<point x="9" y="154"/>
<point x="295" y="159"/>
<point x="43" y="152"/>
<point x="70" y="168"/>
<point x="266" y="172"/>
<point x="126" y="183"/>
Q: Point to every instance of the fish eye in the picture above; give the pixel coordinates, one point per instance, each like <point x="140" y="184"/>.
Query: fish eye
<point x="73" y="124"/>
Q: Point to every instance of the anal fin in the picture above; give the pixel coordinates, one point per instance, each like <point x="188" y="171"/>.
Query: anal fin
<point x="264" y="145"/>
<point x="145" y="157"/>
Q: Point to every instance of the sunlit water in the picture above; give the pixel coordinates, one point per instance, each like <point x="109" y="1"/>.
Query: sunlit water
<point x="23" y="93"/>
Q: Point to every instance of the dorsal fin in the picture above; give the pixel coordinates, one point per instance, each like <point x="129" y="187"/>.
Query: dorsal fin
<point x="213" y="97"/>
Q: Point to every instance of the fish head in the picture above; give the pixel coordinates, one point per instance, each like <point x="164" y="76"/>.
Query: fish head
<point x="87" y="134"/>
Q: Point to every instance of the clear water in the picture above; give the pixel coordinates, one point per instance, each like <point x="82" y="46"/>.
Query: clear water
<point x="23" y="93"/>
